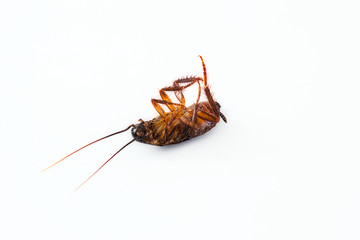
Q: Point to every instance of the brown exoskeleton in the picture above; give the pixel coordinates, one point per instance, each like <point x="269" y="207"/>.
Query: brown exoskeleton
<point x="181" y="123"/>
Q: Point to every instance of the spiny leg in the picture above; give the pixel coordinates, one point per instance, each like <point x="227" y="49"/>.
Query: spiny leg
<point x="199" y="114"/>
<point x="177" y="89"/>
<point x="190" y="123"/>
<point x="207" y="90"/>
<point x="195" y="109"/>
<point x="193" y="119"/>
<point x="156" y="103"/>
<point x="207" y="116"/>
<point x="190" y="80"/>
<point x="204" y="70"/>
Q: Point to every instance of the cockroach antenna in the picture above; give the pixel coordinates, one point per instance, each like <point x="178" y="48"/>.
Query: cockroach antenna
<point x="105" y="163"/>
<point x="110" y="135"/>
<point x="179" y="124"/>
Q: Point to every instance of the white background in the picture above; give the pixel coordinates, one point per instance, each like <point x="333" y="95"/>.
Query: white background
<point x="286" y="166"/>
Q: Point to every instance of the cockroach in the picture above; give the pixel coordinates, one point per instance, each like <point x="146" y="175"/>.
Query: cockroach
<point x="181" y="123"/>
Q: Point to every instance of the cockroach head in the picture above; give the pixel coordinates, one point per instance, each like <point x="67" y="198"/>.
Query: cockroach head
<point x="139" y="131"/>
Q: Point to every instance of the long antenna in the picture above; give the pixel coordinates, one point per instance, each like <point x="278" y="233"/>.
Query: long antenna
<point x="104" y="164"/>
<point x="89" y="145"/>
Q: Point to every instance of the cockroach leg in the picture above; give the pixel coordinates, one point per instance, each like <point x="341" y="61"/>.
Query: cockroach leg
<point x="196" y="105"/>
<point x="207" y="90"/>
<point x="190" y="80"/>
<point x="156" y="103"/>
<point x="207" y="116"/>
<point x="177" y="89"/>
<point x="204" y="70"/>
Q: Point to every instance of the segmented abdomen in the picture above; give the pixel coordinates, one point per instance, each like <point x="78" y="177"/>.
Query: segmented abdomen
<point x="176" y="127"/>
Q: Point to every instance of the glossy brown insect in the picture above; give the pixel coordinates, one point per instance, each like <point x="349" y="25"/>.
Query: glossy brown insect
<point x="181" y="123"/>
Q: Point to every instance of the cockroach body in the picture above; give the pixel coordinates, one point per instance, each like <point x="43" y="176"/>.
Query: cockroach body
<point x="159" y="132"/>
<point x="181" y="123"/>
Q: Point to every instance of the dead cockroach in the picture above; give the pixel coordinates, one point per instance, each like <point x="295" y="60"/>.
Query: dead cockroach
<point x="181" y="123"/>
